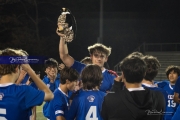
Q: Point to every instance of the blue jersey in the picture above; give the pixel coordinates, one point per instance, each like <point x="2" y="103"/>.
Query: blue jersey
<point x="26" y="78"/>
<point x="86" y="106"/>
<point x="108" y="79"/>
<point x="177" y="86"/>
<point x="171" y="105"/>
<point x="16" y="101"/>
<point x="59" y="105"/>
<point x="33" y="85"/>
<point x="177" y="90"/>
<point x="155" y="88"/>
<point x="52" y="86"/>
<point x="176" y="115"/>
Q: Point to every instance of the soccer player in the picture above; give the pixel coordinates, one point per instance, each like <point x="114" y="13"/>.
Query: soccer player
<point x="172" y="73"/>
<point x="60" y="104"/>
<point x="176" y="115"/>
<point x="87" y="104"/>
<point x="99" y="54"/>
<point x="52" y="78"/>
<point x="16" y="101"/>
<point x="134" y="102"/>
<point x="153" y="66"/>
<point x="86" y="60"/>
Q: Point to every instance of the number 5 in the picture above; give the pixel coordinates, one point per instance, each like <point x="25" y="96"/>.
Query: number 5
<point x="93" y="111"/>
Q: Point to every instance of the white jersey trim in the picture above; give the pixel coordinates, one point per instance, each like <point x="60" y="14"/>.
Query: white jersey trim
<point x="59" y="111"/>
<point x="6" y="84"/>
<point x="149" y="85"/>
<point x="104" y="70"/>
<point x="62" y="91"/>
<point x="135" y="89"/>
<point x="170" y="86"/>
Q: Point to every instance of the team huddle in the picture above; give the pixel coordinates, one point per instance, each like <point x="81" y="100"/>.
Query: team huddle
<point x="86" y="90"/>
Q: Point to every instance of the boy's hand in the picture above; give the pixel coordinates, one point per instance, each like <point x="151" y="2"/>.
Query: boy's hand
<point x="21" y="76"/>
<point x="60" y="34"/>
<point x="26" y="67"/>
<point x="51" y="74"/>
<point x="118" y="79"/>
<point x="61" y="66"/>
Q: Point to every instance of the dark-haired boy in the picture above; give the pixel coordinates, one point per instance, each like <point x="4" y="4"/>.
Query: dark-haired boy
<point x="172" y="73"/>
<point x="60" y="104"/>
<point x="134" y="102"/>
<point x="87" y="104"/>
<point x="153" y="66"/>
<point x="52" y="77"/>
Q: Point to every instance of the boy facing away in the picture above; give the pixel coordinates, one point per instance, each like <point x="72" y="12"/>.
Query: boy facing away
<point x="17" y="100"/>
<point x="134" y="102"/>
<point x="87" y="104"/>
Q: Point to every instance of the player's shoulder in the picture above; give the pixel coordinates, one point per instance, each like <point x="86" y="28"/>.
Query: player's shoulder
<point x="46" y="79"/>
<point x="162" y="84"/>
<point x="59" y="95"/>
<point x="20" y="89"/>
<point x="85" y="94"/>
<point x="178" y="81"/>
<point x="160" y="93"/>
<point x="110" y="73"/>
<point x="110" y="94"/>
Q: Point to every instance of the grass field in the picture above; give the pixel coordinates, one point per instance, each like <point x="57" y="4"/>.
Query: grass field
<point x="39" y="114"/>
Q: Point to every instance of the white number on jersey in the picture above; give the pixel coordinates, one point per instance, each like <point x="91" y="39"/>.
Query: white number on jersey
<point x="2" y="111"/>
<point x="93" y="111"/>
<point x="171" y="103"/>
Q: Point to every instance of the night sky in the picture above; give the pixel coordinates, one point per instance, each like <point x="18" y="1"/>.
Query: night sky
<point x="126" y="25"/>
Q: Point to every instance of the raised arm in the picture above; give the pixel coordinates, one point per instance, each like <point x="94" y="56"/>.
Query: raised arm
<point x="63" y="52"/>
<point x="39" y="83"/>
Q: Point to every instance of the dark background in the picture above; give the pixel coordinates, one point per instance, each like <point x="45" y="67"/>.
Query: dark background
<point x="31" y="25"/>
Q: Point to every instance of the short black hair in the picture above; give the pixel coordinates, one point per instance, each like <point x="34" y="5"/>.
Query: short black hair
<point x="153" y="66"/>
<point x="136" y="53"/>
<point x="91" y="76"/>
<point x="133" y="68"/>
<point x="171" y="68"/>
<point x="51" y="62"/>
<point x="68" y="74"/>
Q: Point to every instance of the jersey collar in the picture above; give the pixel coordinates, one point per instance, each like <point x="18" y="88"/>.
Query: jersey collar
<point x="62" y="91"/>
<point x="149" y="85"/>
<point x="170" y="86"/>
<point x="6" y="84"/>
<point x="135" y="89"/>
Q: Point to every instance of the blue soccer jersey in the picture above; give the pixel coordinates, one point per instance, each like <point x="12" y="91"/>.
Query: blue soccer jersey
<point x="177" y="90"/>
<point x="16" y="101"/>
<point x="177" y="86"/>
<point x="108" y="79"/>
<point x="59" y="105"/>
<point x="171" y="105"/>
<point x="26" y="78"/>
<point x="52" y="86"/>
<point x="86" y="106"/>
<point x="155" y="88"/>
<point x="176" y="115"/>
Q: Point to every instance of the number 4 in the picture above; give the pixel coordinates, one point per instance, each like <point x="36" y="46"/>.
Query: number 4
<point x="93" y="111"/>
